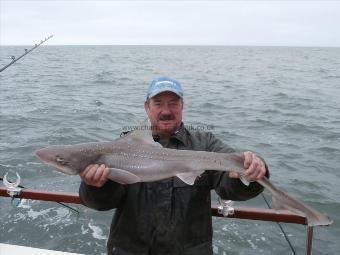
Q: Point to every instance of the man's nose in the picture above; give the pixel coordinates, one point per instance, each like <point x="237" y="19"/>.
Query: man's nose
<point x="166" y="109"/>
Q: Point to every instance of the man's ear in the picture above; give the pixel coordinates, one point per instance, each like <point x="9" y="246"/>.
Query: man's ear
<point x="146" y="106"/>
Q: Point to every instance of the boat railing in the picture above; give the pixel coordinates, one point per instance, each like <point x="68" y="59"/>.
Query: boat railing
<point x="238" y="212"/>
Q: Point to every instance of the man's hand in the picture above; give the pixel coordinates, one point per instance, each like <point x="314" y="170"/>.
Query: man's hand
<point x="95" y="175"/>
<point x="254" y="167"/>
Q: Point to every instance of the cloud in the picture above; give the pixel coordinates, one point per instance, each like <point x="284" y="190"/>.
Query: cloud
<point x="301" y="23"/>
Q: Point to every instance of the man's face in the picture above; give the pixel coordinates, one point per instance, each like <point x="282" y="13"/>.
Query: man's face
<point x="165" y="113"/>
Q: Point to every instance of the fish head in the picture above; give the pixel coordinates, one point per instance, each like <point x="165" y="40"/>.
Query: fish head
<point x="65" y="158"/>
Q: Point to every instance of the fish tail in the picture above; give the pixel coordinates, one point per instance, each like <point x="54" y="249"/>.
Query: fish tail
<point x="282" y="200"/>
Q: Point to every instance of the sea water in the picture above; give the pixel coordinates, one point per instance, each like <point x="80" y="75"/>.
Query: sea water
<point x="281" y="102"/>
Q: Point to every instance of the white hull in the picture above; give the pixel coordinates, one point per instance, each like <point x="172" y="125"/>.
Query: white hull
<point x="8" y="249"/>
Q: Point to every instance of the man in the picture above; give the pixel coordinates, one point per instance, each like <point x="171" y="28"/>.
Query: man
<point x="167" y="216"/>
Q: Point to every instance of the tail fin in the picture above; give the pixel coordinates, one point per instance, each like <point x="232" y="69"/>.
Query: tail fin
<point x="282" y="200"/>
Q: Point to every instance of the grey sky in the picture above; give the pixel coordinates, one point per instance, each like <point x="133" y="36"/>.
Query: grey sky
<point x="292" y="23"/>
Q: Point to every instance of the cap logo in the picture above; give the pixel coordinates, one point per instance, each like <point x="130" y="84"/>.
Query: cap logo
<point x="162" y="84"/>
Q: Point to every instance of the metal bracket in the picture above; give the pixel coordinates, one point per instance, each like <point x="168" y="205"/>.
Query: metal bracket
<point x="12" y="187"/>
<point x="226" y="207"/>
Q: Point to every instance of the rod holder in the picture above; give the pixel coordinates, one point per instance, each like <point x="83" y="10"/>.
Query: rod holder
<point x="226" y="207"/>
<point x="12" y="187"/>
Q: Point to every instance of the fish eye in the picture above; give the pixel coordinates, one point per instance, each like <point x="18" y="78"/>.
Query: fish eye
<point x="59" y="159"/>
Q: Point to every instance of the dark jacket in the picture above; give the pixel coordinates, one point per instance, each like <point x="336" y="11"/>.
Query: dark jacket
<point x="167" y="216"/>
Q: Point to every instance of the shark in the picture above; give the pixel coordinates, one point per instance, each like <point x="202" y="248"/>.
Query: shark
<point x="136" y="157"/>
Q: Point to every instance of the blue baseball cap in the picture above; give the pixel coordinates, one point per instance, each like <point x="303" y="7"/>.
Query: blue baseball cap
<point x="163" y="84"/>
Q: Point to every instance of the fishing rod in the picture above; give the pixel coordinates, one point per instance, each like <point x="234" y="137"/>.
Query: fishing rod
<point x="14" y="59"/>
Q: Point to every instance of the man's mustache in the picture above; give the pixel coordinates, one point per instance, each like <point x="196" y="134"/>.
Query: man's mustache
<point x="167" y="117"/>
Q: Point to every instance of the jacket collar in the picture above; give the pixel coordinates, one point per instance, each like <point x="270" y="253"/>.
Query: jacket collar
<point x="182" y="135"/>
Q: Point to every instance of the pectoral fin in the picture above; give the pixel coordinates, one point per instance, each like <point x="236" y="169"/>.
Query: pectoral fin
<point x="122" y="176"/>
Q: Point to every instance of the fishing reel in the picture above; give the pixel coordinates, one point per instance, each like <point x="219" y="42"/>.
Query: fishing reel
<point x="226" y="207"/>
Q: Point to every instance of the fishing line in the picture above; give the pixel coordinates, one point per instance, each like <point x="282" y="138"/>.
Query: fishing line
<point x="281" y="228"/>
<point x="61" y="203"/>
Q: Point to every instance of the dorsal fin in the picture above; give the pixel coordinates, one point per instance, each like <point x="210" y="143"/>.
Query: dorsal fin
<point x="143" y="133"/>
